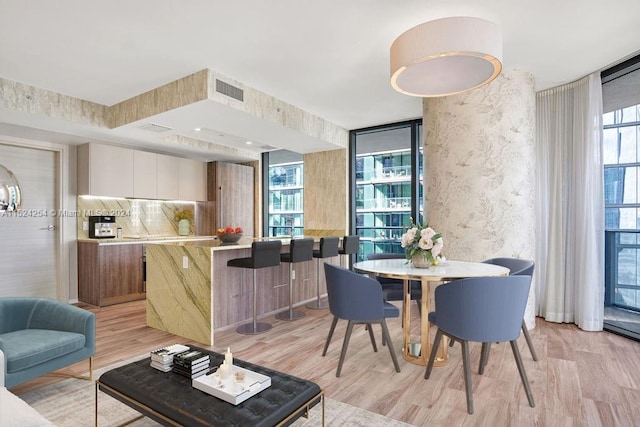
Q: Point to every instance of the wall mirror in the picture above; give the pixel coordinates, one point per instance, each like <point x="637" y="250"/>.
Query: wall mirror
<point x="10" y="194"/>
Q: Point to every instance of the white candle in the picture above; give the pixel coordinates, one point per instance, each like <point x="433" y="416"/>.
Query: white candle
<point x="228" y="358"/>
<point x="224" y="370"/>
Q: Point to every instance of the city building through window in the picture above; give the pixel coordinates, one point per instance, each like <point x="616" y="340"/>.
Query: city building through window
<point x="285" y="215"/>
<point x="387" y="161"/>
<point x="621" y="158"/>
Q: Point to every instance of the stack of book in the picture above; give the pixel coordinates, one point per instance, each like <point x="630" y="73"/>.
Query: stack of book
<point x="162" y="358"/>
<point x="191" y="363"/>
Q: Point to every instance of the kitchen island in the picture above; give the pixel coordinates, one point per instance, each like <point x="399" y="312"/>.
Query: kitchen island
<point x="192" y="293"/>
<point x="112" y="271"/>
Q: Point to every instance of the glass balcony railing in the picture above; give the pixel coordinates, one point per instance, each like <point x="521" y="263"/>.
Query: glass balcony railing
<point x="393" y="172"/>
<point x="380" y="233"/>
<point x="622" y="269"/>
<point x="284" y="231"/>
<point x="397" y="203"/>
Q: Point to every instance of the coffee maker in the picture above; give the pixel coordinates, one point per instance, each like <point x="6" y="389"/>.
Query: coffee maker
<point x="102" y="227"/>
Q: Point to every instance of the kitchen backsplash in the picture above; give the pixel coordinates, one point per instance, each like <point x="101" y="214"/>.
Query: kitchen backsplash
<point x="137" y="217"/>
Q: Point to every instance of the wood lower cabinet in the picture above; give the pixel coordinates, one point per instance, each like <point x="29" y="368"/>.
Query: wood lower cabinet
<point x="110" y="274"/>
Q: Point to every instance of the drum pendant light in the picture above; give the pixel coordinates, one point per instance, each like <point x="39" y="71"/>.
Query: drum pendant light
<point x="446" y="56"/>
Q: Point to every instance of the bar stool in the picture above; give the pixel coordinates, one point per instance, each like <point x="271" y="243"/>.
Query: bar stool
<point x="300" y="250"/>
<point x="328" y="248"/>
<point x="263" y="254"/>
<point x="350" y="245"/>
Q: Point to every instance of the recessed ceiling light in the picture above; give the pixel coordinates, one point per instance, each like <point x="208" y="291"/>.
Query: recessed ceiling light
<point x="249" y="142"/>
<point x="197" y="129"/>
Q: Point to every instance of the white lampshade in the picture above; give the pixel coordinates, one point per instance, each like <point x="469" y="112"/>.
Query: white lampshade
<point x="446" y="56"/>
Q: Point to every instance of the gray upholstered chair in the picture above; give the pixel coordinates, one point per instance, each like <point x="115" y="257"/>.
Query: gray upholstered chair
<point x="517" y="267"/>
<point x="42" y="335"/>
<point x="357" y="299"/>
<point x="481" y="309"/>
<point x="263" y="254"/>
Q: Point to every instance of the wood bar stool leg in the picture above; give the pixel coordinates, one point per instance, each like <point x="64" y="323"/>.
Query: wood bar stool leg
<point x="254" y="327"/>
<point x="318" y="304"/>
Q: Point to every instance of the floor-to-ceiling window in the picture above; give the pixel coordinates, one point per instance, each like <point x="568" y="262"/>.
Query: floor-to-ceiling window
<point x="285" y="194"/>
<point x="621" y="155"/>
<point x="387" y="187"/>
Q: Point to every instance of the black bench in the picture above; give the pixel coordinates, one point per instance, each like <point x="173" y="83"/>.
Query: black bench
<point x="169" y="398"/>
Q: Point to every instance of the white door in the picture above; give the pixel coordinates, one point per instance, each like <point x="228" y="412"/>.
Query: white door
<point x="29" y="237"/>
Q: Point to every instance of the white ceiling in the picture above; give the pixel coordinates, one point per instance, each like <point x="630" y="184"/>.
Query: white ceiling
<point x="329" y="58"/>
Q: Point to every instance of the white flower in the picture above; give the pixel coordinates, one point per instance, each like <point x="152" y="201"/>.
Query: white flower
<point x="425" y="244"/>
<point x="423" y="240"/>
<point x="407" y="238"/>
<point x="437" y="247"/>
<point x="427" y="233"/>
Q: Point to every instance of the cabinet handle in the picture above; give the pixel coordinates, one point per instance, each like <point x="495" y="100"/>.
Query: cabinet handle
<point x="219" y="208"/>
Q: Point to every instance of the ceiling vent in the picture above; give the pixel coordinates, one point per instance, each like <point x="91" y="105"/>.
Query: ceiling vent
<point x="155" y="128"/>
<point x="229" y="90"/>
<point x="268" y="147"/>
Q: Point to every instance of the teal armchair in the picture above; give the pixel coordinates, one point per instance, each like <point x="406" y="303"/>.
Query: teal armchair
<point x="42" y="335"/>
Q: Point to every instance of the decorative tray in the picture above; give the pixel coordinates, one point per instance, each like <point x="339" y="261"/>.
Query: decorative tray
<point x="241" y="385"/>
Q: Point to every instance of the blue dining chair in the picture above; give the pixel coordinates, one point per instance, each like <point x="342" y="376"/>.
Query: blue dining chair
<point x="393" y="289"/>
<point x="357" y="299"/>
<point x="481" y="309"/>
<point x="517" y="267"/>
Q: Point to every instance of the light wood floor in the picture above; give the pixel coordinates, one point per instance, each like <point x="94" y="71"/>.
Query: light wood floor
<point x="581" y="379"/>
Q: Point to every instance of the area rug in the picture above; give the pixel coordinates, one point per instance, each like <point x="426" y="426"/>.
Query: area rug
<point x="70" y="403"/>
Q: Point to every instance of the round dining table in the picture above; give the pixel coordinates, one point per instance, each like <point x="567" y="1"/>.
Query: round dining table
<point x="418" y="352"/>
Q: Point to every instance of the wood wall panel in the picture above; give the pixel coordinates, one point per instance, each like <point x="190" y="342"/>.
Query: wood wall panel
<point x="325" y="191"/>
<point x="231" y="187"/>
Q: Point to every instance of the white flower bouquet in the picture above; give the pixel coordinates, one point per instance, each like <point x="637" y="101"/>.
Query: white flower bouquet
<point x="423" y="245"/>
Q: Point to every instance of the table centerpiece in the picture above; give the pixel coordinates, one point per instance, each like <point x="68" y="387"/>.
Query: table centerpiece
<point x="423" y="245"/>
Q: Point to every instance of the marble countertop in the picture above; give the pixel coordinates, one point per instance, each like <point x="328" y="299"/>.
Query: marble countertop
<point x="243" y="243"/>
<point x="128" y="240"/>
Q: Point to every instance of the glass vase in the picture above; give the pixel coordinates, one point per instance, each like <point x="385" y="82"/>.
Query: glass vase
<point x="184" y="227"/>
<point x="420" y="260"/>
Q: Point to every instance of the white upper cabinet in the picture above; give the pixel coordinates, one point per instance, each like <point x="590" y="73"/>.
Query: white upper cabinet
<point x="168" y="177"/>
<point x="192" y="184"/>
<point x="145" y="175"/>
<point x="105" y="170"/>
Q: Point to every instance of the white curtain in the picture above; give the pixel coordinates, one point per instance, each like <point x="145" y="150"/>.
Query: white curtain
<point x="569" y="279"/>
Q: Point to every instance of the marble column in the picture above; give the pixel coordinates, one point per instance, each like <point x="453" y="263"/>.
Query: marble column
<point x="480" y="170"/>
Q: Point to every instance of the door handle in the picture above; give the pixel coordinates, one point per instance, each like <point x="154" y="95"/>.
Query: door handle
<point x="49" y="228"/>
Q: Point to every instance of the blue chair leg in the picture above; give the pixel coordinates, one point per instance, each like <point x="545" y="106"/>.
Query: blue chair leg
<point x="345" y="344"/>
<point x="331" y="330"/>
<point x="484" y="357"/>
<point x="527" y="337"/>
<point x="434" y="352"/>
<point x="467" y="375"/>
<point x="387" y="338"/>
<point x="373" y="339"/>
<point x="523" y="374"/>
